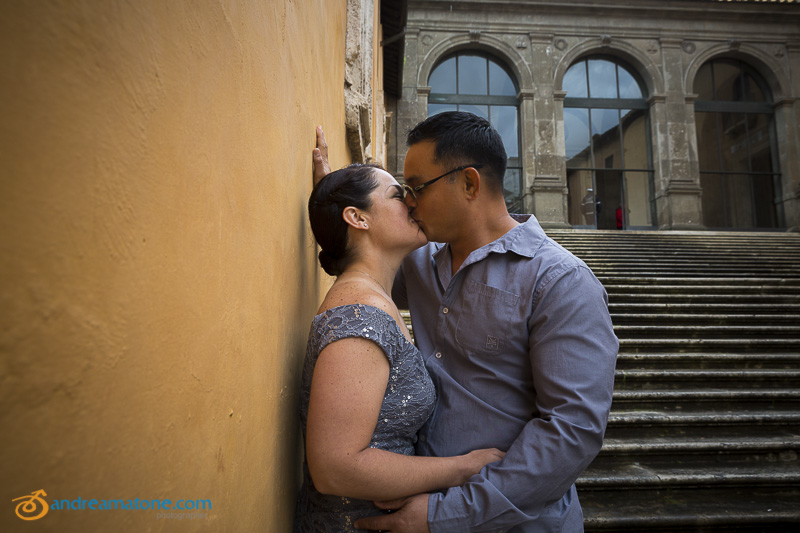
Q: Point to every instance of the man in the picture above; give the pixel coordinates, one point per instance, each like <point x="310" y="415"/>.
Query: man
<point x="515" y="332"/>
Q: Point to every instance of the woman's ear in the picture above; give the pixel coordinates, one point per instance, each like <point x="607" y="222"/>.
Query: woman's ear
<point x="354" y="217"/>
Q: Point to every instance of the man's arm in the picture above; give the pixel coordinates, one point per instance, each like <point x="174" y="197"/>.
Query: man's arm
<point x="573" y="355"/>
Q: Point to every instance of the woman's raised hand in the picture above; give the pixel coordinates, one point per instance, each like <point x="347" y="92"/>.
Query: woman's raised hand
<point x="320" y="155"/>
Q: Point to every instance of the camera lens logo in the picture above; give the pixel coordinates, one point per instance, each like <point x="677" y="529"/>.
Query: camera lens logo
<point x="27" y="510"/>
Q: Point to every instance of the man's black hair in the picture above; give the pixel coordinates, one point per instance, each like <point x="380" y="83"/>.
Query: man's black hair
<point x="463" y="138"/>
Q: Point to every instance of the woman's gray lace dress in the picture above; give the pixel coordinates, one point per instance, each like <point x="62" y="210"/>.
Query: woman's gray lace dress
<point x="407" y="404"/>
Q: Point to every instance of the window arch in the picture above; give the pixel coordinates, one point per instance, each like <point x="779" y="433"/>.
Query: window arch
<point x="736" y="146"/>
<point x="481" y="84"/>
<point x="607" y="145"/>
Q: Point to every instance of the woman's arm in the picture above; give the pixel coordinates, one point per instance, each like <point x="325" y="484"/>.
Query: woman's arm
<point x="347" y="391"/>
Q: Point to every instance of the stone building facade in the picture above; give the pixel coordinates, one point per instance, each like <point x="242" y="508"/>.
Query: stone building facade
<point x="677" y="114"/>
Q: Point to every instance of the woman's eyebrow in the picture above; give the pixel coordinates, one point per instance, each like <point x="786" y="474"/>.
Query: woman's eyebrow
<point x="397" y="188"/>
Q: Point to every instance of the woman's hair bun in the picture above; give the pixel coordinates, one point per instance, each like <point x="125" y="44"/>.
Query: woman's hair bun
<point x="331" y="265"/>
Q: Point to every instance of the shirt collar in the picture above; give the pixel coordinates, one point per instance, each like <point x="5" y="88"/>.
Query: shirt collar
<point x="523" y="240"/>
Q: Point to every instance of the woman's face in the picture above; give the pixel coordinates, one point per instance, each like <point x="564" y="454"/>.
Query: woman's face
<point x="389" y="216"/>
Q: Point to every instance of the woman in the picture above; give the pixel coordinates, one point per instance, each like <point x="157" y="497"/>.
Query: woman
<point x="365" y="390"/>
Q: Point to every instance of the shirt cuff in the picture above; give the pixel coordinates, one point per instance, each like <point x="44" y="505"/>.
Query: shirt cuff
<point x="447" y="515"/>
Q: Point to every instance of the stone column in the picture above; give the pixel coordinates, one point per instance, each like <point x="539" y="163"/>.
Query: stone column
<point x="678" y="191"/>
<point x="413" y="104"/>
<point x="787" y="126"/>
<point x="546" y="196"/>
<point x="528" y="149"/>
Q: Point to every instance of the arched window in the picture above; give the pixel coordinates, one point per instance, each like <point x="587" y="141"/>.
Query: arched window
<point x="607" y="137"/>
<point x="480" y="84"/>
<point x="736" y="147"/>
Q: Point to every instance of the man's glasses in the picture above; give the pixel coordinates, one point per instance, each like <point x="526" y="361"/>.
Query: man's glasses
<point x="414" y="190"/>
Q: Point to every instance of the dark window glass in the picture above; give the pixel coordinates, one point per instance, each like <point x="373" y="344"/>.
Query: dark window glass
<point x="480" y="110"/>
<point x="602" y="79"/>
<point x="751" y="89"/>
<point x="607" y="146"/>
<point x="576" y="134"/>
<point x="703" y="83"/>
<point x="727" y="82"/>
<point x="605" y="136"/>
<point x="479" y="84"/>
<point x="435" y="109"/>
<point x="634" y="137"/>
<point x="575" y="81"/>
<point x="708" y="148"/>
<point x="443" y="78"/>
<point x="628" y="86"/>
<point x="472" y="75"/>
<point x="504" y="120"/>
<point x="736" y="147"/>
<point x="500" y="83"/>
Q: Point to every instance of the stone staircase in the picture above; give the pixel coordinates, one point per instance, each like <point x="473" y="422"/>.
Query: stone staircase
<point x="704" y="431"/>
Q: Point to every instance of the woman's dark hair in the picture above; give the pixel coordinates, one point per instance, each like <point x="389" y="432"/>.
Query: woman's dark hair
<point x="348" y="187"/>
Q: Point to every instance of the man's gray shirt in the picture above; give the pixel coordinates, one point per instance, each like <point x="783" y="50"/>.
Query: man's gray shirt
<point x="520" y="345"/>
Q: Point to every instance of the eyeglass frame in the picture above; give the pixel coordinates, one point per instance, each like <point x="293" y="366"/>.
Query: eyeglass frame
<point x="414" y="190"/>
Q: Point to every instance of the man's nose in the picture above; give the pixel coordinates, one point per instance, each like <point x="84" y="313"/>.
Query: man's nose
<point x="410" y="201"/>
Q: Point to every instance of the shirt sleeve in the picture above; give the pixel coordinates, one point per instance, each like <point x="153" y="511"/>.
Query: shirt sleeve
<point x="572" y="350"/>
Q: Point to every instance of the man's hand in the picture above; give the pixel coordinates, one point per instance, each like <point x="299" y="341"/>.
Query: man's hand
<point x="411" y="516"/>
<point x="320" y="154"/>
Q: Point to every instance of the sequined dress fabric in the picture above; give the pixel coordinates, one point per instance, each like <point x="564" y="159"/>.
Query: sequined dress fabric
<point x="407" y="403"/>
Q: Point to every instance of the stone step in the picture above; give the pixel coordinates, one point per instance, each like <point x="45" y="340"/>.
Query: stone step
<point x="778" y="446"/>
<point x="727" y="288"/>
<point x="690" y="420"/>
<point x="699" y="308"/>
<point x="689" y="264"/>
<point x="671" y="345"/>
<point x="734" y="249"/>
<point x="700" y="361"/>
<point x="643" y="474"/>
<point x="689" y="379"/>
<point x="706" y="509"/>
<point x="717" y="400"/>
<point x="695" y="281"/>
<point x="696" y="298"/>
<point x="688" y="332"/>
<point x="601" y="272"/>
<point x="704" y="319"/>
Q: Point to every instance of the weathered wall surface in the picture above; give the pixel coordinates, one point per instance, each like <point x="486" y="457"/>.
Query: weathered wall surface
<point x="158" y="274"/>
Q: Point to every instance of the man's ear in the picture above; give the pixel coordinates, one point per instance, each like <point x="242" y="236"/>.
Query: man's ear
<point x="354" y="217"/>
<point x="472" y="183"/>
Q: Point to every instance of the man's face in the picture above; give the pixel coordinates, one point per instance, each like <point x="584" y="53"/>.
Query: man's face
<point x="433" y="207"/>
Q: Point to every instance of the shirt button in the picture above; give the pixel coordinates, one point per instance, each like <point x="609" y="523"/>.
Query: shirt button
<point x="438" y="355"/>
<point x="445" y="310"/>
<point x="422" y="438"/>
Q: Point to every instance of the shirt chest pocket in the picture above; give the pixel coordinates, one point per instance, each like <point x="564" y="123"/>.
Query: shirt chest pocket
<point x="485" y="317"/>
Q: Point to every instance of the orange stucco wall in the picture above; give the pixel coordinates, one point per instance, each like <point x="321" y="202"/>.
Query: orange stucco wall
<point x="158" y="274"/>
